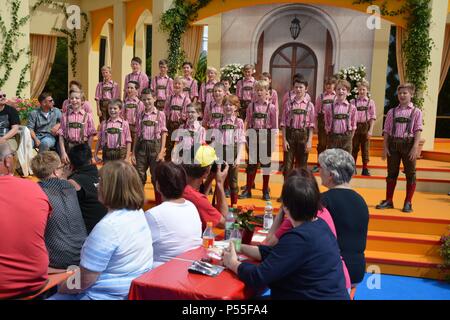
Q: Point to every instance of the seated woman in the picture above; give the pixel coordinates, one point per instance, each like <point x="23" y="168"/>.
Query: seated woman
<point x="66" y="231"/>
<point x="119" y="248"/>
<point x="347" y="208"/>
<point x="175" y="224"/>
<point x="305" y="263"/>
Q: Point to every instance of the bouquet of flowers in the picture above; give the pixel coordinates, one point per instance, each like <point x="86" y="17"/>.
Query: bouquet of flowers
<point x="246" y="219"/>
<point x="25" y="106"/>
<point x="233" y="71"/>
<point x="353" y="75"/>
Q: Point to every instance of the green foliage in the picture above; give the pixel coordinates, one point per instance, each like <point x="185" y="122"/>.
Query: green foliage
<point x="200" y="69"/>
<point x="445" y="254"/>
<point x="57" y="81"/>
<point x="417" y="45"/>
<point x="246" y="219"/>
<point x="235" y="72"/>
<point x="175" y="22"/>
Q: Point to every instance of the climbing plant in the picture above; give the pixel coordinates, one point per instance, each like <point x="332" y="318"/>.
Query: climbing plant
<point x="417" y="46"/>
<point x="175" y="22"/>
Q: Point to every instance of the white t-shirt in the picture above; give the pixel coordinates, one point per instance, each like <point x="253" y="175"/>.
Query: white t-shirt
<point x="176" y="228"/>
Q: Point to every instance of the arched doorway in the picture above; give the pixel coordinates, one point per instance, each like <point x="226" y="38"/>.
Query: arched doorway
<point x="290" y="59"/>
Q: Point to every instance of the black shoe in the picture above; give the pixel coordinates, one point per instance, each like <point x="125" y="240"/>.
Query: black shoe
<point x="245" y="187"/>
<point x="246" y="194"/>
<point x="279" y="199"/>
<point x="365" y="172"/>
<point x="407" y="207"/>
<point x="227" y="193"/>
<point x="266" y="195"/>
<point x="385" y="205"/>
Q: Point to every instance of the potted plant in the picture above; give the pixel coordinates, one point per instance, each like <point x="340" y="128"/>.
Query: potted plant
<point x="24" y="107"/>
<point x="247" y="222"/>
<point x="445" y="254"/>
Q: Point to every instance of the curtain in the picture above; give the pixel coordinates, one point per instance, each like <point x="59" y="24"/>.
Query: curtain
<point x="192" y="43"/>
<point x="400" y="37"/>
<point x="43" y="50"/>
<point x="445" y="57"/>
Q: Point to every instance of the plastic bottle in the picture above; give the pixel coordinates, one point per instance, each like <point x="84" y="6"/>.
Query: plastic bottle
<point x="268" y="216"/>
<point x="229" y="223"/>
<point x="236" y="237"/>
<point x="208" y="236"/>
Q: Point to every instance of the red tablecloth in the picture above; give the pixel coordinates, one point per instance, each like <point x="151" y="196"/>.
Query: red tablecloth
<point x="172" y="281"/>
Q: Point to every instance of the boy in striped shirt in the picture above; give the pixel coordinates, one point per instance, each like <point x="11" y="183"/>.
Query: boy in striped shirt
<point x="162" y="85"/>
<point x="106" y="91"/>
<point x="132" y="107"/>
<point x="136" y="75"/>
<point x="244" y="89"/>
<point x="207" y="88"/>
<point x="190" y="84"/>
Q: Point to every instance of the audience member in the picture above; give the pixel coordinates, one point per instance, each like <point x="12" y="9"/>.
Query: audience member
<point x="66" y="232"/>
<point x="24" y="213"/>
<point x="175" y="224"/>
<point x="9" y="122"/>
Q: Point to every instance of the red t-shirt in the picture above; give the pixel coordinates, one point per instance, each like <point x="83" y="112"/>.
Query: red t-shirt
<point x="205" y="209"/>
<point x="24" y="211"/>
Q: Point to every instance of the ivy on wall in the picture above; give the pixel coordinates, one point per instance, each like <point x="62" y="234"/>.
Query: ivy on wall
<point x="417" y="46"/>
<point x="175" y="22"/>
<point x="11" y="34"/>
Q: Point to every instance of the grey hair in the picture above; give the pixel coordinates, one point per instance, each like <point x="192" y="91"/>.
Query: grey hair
<point x="5" y="150"/>
<point x="339" y="163"/>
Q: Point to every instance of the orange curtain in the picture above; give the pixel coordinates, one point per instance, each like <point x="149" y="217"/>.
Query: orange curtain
<point x="445" y="57"/>
<point x="400" y="37"/>
<point x="192" y="43"/>
<point x="43" y="50"/>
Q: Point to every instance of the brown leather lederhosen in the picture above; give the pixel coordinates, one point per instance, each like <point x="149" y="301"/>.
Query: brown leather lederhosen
<point x="297" y="139"/>
<point x="244" y="103"/>
<point x="361" y="138"/>
<point x="146" y="151"/>
<point x="229" y="151"/>
<point x="117" y="153"/>
<point x="188" y="90"/>
<point x="132" y="126"/>
<point x="171" y="127"/>
<point x="399" y="149"/>
<point x="69" y="144"/>
<point x="104" y="103"/>
<point x="321" y="132"/>
<point x="340" y="140"/>
<point x="264" y="140"/>
<point x="159" y="104"/>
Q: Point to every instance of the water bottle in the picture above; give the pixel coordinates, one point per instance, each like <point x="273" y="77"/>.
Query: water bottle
<point x="236" y="237"/>
<point x="229" y="223"/>
<point x="268" y="216"/>
<point x="208" y="236"/>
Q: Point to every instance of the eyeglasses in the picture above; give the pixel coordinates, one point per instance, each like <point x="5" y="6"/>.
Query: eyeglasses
<point x="2" y="95"/>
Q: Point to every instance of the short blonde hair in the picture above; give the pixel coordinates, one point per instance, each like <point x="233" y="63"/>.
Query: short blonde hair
<point x="212" y="69"/>
<point x="363" y="83"/>
<point x="232" y="99"/>
<point x="262" y="84"/>
<point x="81" y="92"/>
<point x="408" y="86"/>
<point x="249" y="67"/>
<point x="179" y="79"/>
<point x="344" y="83"/>
<point x="106" y="68"/>
<point x="120" y="186"/>
<point x="45" y="163"/>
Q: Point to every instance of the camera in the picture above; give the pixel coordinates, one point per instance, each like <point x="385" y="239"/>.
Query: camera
<point x="215" y="166"/>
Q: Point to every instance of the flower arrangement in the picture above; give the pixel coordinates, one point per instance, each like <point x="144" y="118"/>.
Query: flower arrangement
<point x="246" y="219"/>
<point x="25" y="106"/>
<point x="353" y="75"/>
<point x="445" y="254"/>
<point x="234" y="71"/>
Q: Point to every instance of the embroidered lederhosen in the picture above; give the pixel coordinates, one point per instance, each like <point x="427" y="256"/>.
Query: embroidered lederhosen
<point x="400" y="147"/>
<point x="147" y="151"/>
<point x="172" y="126"/>
<point x="361" y="139"/>
<point x="69" y="144"/>
<point x="229" y="154"/>
<point x="205" y="94"/>
<point x="117" y="153"/>
<point x="263" y="136"/>
<point x="160" y="103"/>
<point x="340" y="140"/>
<point x="244" y="103"/>
<point x="321" y="132"/>
<point x="188" y="90"/>
<point x="105" y="102"/>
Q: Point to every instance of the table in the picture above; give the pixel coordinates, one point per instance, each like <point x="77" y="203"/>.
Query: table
<point x="172" y="281"/>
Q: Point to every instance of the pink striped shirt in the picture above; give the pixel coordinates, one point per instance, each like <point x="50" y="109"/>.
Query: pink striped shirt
<point x="402" y="114"/>
<point x="262" y="115"/>
<point x="175" y="107"/>
<point x="298" y="114"/>
<point x="162" y="87"/>
<point x="131" y="108"/>
<point x="86" y="106"/>
<point x="245" y="88"/>
<point x="365" y="109"/>
<point x="191" y="133"/>
<point x="107" y="91"/>
<point x="212" y="115"/>
<point x="324" y="99"/>
<point x="274" y="97"/>
<point x="232" y="131"/>
<point x="73" y="123"/>
<point x="341" y="109"/>
<point x="139" y="77"/>
<point x="191" y="87"/>
<point x="206" y="92"/>
<point x="111" y="139"/>
<point x="150" y="125"/>
<point x="290" y="95"/>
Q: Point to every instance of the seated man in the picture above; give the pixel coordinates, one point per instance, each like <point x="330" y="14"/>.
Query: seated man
<point x="196" y="174"/>
<point x="9" y="122"/>
<point x="44" y="123"/>
<point x="25" y="210"/>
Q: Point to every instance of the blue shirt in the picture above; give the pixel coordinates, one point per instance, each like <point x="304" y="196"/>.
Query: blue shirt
<point x="120" y="248"/>
<point x="305" y="264"/>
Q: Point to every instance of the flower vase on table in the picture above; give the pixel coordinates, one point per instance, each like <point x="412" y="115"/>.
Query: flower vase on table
<point x="247" y="222"/>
